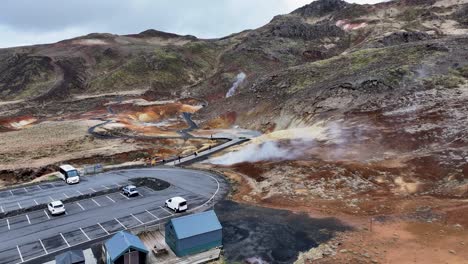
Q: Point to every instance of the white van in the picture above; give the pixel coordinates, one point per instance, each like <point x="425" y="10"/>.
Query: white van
<point x="69" y="174"/>
<point x="177" y="204"/>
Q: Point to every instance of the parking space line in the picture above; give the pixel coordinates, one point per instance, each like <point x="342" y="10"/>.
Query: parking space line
<point x="79" y="192"/>
<point x="11" y="193"/>
<point x="35" y="202"/>
<point x="110" y="198"/>
<point x="120" y="223"/>
<point x="51" y="199"/>
<point x="92" y="189"/>
<point x="29" y="221"/>
<point x="8" y="223"/>
<point x="19" y="205"/>
<point x="1" y="207"/>
<point x="19" y="252"/>
<point x="105" y="187"/>
<point x="124" y="196"/>
<point x="26" y="190"/>
<point x="103" y="228"/>
<point x="95" y="202"/>
<point x="118" y="185"/>
<point x="66" y="196"/>
<point x="152" y="214"/>
<point x="42" y="244"/>
<point x="82" y="208"/>
<point x="137" y="219"/>
<point x="64" y="239"/>
<point x="48" y="217"/>
<point x="39" y="187"/>
<point x="166" y="210"/>
<point x="82" y="231"/>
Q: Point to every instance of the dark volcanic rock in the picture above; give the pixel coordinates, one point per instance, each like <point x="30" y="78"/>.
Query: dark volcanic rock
<point x="161" y="34"/>
<point x="461" y="15"/>
<point x="296" y="28"/>
<point x="404" y="37"/>
<point x="321" y="7"/>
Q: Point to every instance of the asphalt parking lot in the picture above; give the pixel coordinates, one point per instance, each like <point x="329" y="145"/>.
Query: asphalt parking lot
<point x="37" y="233"/>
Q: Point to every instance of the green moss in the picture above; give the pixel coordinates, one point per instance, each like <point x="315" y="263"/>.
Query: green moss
<point x="52" y="177"/>
<point x="410" y="14"/>
<point x="443" y="81"/>
<point x="463" y="72"/>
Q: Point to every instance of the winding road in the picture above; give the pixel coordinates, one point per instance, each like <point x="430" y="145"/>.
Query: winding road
<point x="29" y="237"/>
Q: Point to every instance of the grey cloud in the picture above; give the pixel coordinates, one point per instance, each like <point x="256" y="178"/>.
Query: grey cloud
<point x="53" y="20"/>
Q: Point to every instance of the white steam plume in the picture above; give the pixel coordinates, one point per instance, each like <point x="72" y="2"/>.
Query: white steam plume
<point x="239" y="79"/>
<point x="252" y="153"/>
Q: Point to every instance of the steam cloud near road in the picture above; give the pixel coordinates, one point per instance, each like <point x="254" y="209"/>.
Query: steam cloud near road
<point x="330" y="141"/>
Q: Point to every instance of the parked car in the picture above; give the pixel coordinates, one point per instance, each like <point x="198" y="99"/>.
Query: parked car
<point x="56" y="208"/>
<point x="177" y="204"/>
<point x="69" y="174"/>
<point x="130" y="190"/>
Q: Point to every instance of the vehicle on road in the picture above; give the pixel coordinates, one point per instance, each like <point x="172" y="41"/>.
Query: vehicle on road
<point x="56" y="208"/>
<point x="130" y="190"/>
<point x="177" y="204"/>
<point x="69" y="174"/>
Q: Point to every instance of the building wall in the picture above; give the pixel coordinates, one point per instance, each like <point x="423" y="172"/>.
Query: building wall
<point x="194" y="244"/>
<point x="170" y="237"/>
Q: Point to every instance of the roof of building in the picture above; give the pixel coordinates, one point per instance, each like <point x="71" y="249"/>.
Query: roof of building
<point x="67" y="167"/>
<point x="70" y="257"/>
<point x="195" y="224"/>
<point x="121" y="242"/>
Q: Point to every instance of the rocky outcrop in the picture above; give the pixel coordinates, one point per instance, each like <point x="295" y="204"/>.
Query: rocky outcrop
<point x="398" y="38"/>
<point x="151" y="33"/>
<point x="321" y="7"/>
<point x="294" y="27"/>
<point x="20" y="72"/>
<point x="461" y="15"/>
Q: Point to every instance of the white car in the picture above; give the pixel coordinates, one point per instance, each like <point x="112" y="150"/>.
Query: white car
<point x="176" y="204"/>
<point x="56" y="208"/>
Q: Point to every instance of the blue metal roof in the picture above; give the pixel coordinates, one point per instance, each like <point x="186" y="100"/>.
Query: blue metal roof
<point x="195" y="224"/>
<point x="121" y="242"/>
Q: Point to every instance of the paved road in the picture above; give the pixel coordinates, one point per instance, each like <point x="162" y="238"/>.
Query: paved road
<point x="35" y="234"/>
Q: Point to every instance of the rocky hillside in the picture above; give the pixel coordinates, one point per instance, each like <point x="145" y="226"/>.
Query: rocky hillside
<point x="321" y="46"/>
<point x="327" y="56"/>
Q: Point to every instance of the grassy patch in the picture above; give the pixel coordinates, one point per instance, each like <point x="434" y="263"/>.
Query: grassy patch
<point x="410" y="14"/>
<point x="52" y="177"/>
<point x="443" y="81"/>
<point x="463" y="72"/>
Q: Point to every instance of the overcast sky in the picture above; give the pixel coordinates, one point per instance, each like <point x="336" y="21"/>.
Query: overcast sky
<point x="25" y="22"/>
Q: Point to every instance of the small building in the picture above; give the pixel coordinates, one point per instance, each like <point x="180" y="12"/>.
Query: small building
<point x="124" y="248"/>
<point x="70" y="257"/>
<point x="193" y="234"/>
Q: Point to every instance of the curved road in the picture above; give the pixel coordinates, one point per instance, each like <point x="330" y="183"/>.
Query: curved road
<point x="28" y="237"/>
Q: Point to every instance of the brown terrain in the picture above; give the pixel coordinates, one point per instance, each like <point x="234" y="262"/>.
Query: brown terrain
<point x="362" y="111"/>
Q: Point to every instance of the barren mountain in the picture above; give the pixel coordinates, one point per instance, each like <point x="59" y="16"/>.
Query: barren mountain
<point x="363" y="108"/>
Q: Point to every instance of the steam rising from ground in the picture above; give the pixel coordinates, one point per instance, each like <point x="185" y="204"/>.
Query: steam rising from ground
<point x="269" y="150"/>
<point x="326" y="140"/>
<point x="239" y="79"/>
<point x="282" y="145"/>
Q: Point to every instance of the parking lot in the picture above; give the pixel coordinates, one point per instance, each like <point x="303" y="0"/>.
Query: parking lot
<point x="37" y="233"/>
<point x="30" y="196"/>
